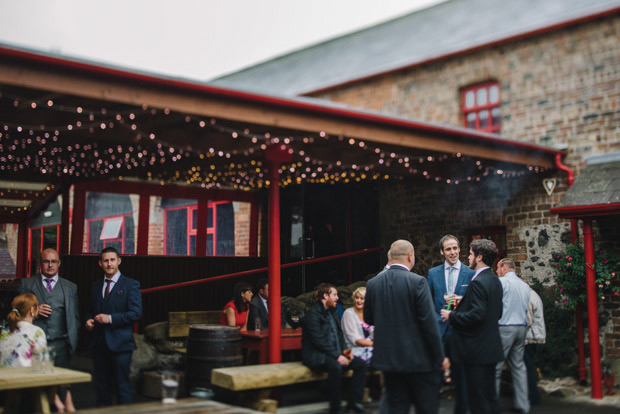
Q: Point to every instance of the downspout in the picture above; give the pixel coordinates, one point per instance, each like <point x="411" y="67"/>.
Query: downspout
<point x="581" y="369"/>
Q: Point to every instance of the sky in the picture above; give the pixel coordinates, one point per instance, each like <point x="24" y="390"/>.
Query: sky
<point x="193" y="39"/>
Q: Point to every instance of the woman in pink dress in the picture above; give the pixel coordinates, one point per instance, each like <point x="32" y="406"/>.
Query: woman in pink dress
<point x="235" y="313"/>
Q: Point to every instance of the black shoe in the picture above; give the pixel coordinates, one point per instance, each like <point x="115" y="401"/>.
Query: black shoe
<point x="356" y="408"/>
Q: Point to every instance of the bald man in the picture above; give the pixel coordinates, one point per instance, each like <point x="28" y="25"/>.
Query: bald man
<point x="407" y="345"/>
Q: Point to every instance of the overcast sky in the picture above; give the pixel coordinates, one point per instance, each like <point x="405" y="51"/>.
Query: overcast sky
<point x="196" y="39"/>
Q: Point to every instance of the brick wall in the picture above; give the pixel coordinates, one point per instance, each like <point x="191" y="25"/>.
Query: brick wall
<point x="560" y="88"/>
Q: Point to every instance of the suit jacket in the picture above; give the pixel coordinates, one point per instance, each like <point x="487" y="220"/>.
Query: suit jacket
<point x="35" y="286"/>
<point x="258" y="310"/>
<point x="475" y="339"/>
<point x="317" y="342"/>
<point x="437" y="285"/>
<point x="124" y="304"/>
<point x="398" y="303"/>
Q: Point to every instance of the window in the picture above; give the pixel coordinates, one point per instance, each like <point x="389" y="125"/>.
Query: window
<point x="496" y="234"/>
<point x="481" y="107"/>
<point x="117" y="232"/>
<point x="181" y="229"/>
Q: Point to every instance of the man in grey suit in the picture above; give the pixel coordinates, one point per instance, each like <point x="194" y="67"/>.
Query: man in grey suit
<point x="407" y="345"/>
<point x="58" y="315"/>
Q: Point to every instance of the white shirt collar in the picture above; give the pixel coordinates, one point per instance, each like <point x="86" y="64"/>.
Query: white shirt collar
<point x="401" y="265"/>
<point x="457" y="265"/>
<point x="54" y="278"/>
<point x="116" y="276"/>
<point x="479" y="270"/>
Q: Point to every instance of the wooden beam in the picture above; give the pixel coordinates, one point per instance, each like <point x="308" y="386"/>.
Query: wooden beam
<point x="193" y="102"/>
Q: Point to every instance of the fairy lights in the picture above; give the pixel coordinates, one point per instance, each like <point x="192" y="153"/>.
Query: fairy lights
<point x="232" y="160"/>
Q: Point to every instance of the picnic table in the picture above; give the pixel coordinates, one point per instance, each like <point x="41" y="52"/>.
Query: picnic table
<point x="42" y="384"/>
<point x="184" y="406"/>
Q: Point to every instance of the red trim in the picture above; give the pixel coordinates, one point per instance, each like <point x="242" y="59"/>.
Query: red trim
<point x="143" y="224"/>
<point x="223" y="93"/>
<point x="586" y="211"/>
<point x="40" y="229"/>
<point x="461" y="52"/>
<point x="476" y="108"/>
<point x="259" y="270"/>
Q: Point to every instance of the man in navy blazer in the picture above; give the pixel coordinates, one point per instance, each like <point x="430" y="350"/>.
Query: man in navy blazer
<point x="475" y="340"/>
<point x="451" y="277"/>
<point x="115" y="304"/>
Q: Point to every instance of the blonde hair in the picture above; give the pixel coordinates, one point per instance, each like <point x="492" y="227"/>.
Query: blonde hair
<point x="361" y="290"/>
<point x="21" y="306"/>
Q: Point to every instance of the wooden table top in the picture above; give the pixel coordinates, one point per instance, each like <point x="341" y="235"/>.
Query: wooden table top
<point x="25" y="377"/>
<point x="184" y="406"/>
<point x="264" y="333"/>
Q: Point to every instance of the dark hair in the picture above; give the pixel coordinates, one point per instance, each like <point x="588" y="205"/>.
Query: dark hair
<point x="322" y="290"/>
<point x="261" y="284"/>
<point x="21" y="306"/>
<point x="241" y="288"/>
<point x="109" y="250"/>
<point x="486" y="248"/>
<point x="448" y="237"/>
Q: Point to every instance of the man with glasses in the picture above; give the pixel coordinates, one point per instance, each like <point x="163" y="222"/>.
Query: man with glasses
<point x="58" y="315"/>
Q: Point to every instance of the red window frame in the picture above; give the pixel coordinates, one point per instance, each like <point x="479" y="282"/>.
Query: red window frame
<point x="122" y="231"/>
<point x="477" y="108"/>
<point x="41" y="229"/>
<point x="496" y="234"/>
<point x="191" y="230"/>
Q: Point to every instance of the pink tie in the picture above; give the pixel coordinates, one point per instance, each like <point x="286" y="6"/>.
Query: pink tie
<point x="49" y="284"/>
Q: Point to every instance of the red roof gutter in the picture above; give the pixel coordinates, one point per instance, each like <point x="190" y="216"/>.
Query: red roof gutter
<point x="587" y="211"/>
<point x="92" y="69"/>
<point x="461" y="52"/>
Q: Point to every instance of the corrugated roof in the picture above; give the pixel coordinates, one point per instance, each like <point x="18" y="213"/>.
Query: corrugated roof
<point x="437" y="31"/>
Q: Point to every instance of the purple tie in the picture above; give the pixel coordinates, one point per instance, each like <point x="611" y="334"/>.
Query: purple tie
<point x="107" y="287"/>
<point x="49" y="284"/>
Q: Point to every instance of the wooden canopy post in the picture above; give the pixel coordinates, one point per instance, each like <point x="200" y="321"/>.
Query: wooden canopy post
<point x="275" y="155"/>
<point x="595" y="350"/>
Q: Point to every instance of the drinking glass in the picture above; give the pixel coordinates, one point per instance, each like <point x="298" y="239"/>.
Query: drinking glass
<point x="257" y="324"/>
<point x="169" y="387"/>
<point x="294" y="321"/>
<point x="50" y="357"/>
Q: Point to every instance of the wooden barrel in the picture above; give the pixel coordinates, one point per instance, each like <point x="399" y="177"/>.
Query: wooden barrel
<point x="208" y="347"/>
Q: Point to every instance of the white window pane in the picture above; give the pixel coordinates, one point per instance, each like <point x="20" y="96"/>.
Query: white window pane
<point x="111" y="228"/>
<point x="484" y="119"/>
<point x="469" y="99"/>
<point x="481" y="97"/>
<point x="495" y="114"/>
<point x="494" y="94"/>
<point x="471" y="120"/>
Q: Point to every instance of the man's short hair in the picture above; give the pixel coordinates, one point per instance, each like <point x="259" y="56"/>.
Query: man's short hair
<point x="509" y="263"/>
<point x="322" y="290"/>
<point x="448" y="237"/>
<point x="109" y="250"/>
<point x="486" y="248"/>
<point x="261" y="284"/>
<point x="400" y="248"/>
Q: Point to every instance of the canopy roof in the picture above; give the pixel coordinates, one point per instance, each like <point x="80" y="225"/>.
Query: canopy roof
<point x="596" y="191"/>
<point x="64" y="121"/>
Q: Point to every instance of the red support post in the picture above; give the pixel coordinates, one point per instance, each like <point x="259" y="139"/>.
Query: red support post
<point x="201" y="228"/>
<point x="275" y="155"/>
<point x="65" y="221"/>
<point x="22" y="249"/>
<point x="595" y="350"/>
<point x="79" y="212"/>
<point x="143" y="224"/>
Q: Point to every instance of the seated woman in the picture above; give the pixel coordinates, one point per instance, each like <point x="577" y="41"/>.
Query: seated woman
<point x="22" y="339"/>
<point x="235" y="313"/>
<point x="357" y="333"/>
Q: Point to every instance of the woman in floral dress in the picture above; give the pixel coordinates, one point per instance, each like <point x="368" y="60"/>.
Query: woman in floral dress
<point x="22" y="339"/>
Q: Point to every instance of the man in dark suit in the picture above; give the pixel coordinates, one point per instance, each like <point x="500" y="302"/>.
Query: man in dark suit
<point x="114" y="307"/>
<point x="58" y="315"/>
<point x="322" y="346"/>
<point x="407" y="345"/>
<point x="258" y="306"/>
<point x="450" y="278"/>
<point x="475" y="341"/>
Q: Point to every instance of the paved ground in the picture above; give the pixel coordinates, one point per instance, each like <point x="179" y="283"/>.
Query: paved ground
<point x="309" y="398"/>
